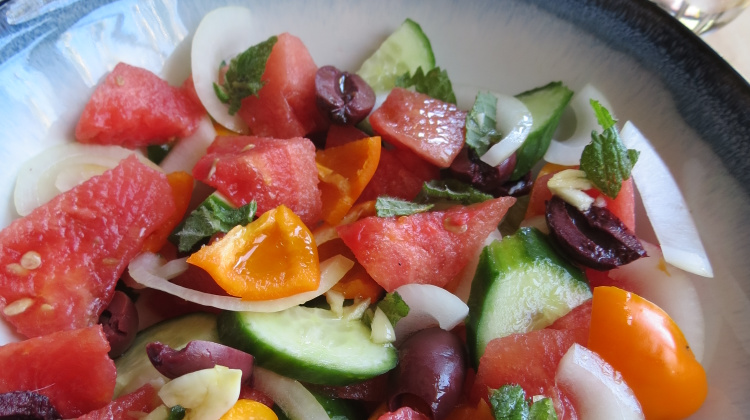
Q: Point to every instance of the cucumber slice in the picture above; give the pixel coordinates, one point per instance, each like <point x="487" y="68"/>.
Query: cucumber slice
<point x="308" y="344"/>
<point x="134" y="369"/>
<point x="406" y="49"/>
<point x="546" y="105"/>
<point x="337" y="408"/>
<point x="521" y="284"/>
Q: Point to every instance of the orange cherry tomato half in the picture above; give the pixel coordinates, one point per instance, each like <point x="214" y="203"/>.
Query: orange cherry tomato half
<point x="249" y="410"/>
<point x="273" y="257"/>
<point x="643" y="343"/>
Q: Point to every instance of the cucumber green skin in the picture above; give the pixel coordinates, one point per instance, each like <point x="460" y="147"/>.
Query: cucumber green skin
<point x="556" y="97"/>
<point x="337" y="408"/>
<point x="234" y="332"/>
<point x="499" y="259"/>
<point x="134" y="367"/>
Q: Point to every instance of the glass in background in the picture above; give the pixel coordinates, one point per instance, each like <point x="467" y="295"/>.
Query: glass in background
<point x="703" y="15"/>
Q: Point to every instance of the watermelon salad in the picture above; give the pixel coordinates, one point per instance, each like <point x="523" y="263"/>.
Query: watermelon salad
<point x="278" y="239"/>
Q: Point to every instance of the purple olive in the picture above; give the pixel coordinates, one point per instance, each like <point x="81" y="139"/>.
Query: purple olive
<point x="120" y="323"/>
<point x="595" y="238"/>
<point x="344" y="97"/>
<point x="495" y="180"/>
<point x="430" y="373"/>
<point x="27" y="405"/>
<point x="197" y="355"/>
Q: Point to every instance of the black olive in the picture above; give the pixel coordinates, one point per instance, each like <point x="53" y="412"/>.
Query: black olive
<point x="197" y="355"/>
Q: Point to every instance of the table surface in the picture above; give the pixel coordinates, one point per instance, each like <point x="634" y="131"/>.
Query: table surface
<point x="733" y="43"/>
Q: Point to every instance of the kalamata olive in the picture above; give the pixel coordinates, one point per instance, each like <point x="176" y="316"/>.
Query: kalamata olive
<point x="120" y="323"/>
<point x="197" y="355"/>
<point x="345" y="98"/>
<point x="27" y="405"/>
<point x="495" y="180"/>
<point x="595" y="238"/>
<point x="372" y="390"/>
<point x="430" y="373"/>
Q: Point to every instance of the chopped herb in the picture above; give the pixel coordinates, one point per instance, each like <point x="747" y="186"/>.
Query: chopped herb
<point x="481" y="130"/>
<point x="176" y="413"/>
<point x="452" y="190"/>
<point x="606" y="160"/>
<point x="542" y="410"/>
<point x="214" y="215"/>
<point x="510" y="403"/>
<point x="392" y="305"/>
<point x="157" y="152"/>
<point x="435" y="84"/>
<point x="389" y="206"/>
<point x="242" y="78"/>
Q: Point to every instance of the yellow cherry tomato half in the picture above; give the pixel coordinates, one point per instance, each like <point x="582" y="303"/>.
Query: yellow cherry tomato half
<point x="273" y="257"/>
<point x="249" y="410"/>
<point x="643" y="343"/>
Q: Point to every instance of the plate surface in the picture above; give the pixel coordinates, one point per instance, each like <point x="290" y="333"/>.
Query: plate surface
<point x="681" y="95"/>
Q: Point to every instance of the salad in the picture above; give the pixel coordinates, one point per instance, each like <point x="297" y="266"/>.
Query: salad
<point x="281" y="240"/>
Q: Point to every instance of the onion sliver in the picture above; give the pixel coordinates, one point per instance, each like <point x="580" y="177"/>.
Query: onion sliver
<point x="188" y="151"/>
<point x="291" y="396"/>
<point x="666" y="208"/>
<point x="62" y="167"/>
<point x="146" y="267"/>
<point x="568" y="151"/>
<point x="597" y="389"/>
<point x="466" y="276"/>
<point x="429" y="305"/>
<point x="222" y="35"/>
<point x="514" y="121"/>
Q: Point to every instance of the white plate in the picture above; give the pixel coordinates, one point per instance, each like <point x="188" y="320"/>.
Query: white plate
<point x="655" y="73"/>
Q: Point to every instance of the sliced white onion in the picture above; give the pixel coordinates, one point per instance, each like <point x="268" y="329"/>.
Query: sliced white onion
<point x="293" y="398"/>
<point x="598" y="391"/>
<point x="579" y="119"/>
<point x="144" y="268"/>
<point x="670" y="289"/>
<point x="666" y="208"/>
<point x="221" y="36"/>
<point x="62" y="167"/>
<point x="206" y="393"/>
<point x="186" y="152"/>
<point x="429" y="306"/>
<point x="515" y="121"/>
<point x="381" y="329"/>
<point x="467" y="273"/>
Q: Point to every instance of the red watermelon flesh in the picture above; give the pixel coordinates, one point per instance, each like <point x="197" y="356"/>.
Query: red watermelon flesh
<point x="62" y="261"/>
<point x="285" y="106"/>
<point x="431" y="128"/>
<point x="530" y="359"/>
<point x="143" y="400"/>
<point x="134" y="107"/>
<point x="71" y="368"/>
<point x="269" y="171"/>
<point x="400" y="174"/>
<point x="425" y="248"/>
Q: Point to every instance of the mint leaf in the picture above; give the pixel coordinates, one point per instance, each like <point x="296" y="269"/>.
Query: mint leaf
<point x="509" y="403"/>
<point x="394" y="307"/>
<point x="214" y="215"/>
<point x="242" y="78"/>
<point x="176" y="413"/>
<point x="452" y="190"/>
<point x="389" y="206"/>
<point x="435" y="84"/>
<point x="542" y="410"/>
<point x="481" y="131"/>
<point x="157" y="152"/>
<point x="606" y="160"/>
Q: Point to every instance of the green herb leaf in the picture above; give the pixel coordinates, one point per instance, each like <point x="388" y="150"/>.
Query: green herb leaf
<point x="176" y="413"/>
<point x="157" y="152"/>
<point x="435" y="84"/>
<point x="481" y="131"/>
<point x="394" y="307"/>
<point x="606" y="160"/>
<point x="214" y="215"/>
<point x="542" y="410"/>
<point x="242" y="78"/>
<point x="509" y="403"/>
<point x="389" y="206"/>
<point x="452" y="190"/>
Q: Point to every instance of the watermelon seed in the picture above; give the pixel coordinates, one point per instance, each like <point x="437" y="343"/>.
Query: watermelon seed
<point x="31" y="260"/>
<point x="450" y="225"/>
<point x="17" y="269"/>
<point x="18" y="307"/>
<point x="111" y="261"/>
<point x="248" y="147"/>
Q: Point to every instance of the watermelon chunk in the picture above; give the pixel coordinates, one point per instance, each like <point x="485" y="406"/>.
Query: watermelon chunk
<point x="134" y="107"/>
<point x="285" y="106"/>
<point x="71" y="368"/>
<point x="62" y="261"/>
<point x="400" y="174"/>
<point x="431" y="128"/>
<point x="270" y="171"/>
<point x="143" y="400"/>
<point x="425" y="248"/>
